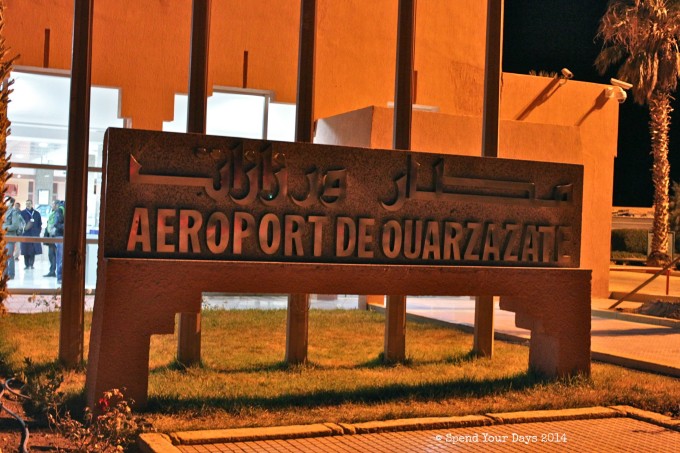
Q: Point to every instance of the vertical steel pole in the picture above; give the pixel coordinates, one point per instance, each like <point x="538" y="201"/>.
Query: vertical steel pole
<point x="403" y="90"/>
<point x="304" y="114"/>
<point x="492" y="77"/>
<point x="71" y="335"/>
<point x="483" y="336"/>
<point x="297" y="323"/>
<point x="395" y="306"/>
<point x="189" y="328"/>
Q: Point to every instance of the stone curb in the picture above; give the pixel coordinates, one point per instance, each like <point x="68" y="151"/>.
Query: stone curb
<point x="650" y="417"/>
<point x="635" y="364"/>
<point x="634" y="317"/>
<point x="161" y="443"/>
<point x="214" y="436"/>
<point x="156" y="443"/>
<point x="585" y="413"/>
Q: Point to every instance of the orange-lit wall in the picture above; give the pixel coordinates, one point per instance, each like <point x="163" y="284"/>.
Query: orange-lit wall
<point x="142" y="47"/>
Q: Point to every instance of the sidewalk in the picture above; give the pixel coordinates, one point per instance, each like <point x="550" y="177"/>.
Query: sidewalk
<point x="601" y="429"/>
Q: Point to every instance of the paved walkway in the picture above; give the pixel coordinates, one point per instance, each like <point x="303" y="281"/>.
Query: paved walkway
<point x="597" y="429"/>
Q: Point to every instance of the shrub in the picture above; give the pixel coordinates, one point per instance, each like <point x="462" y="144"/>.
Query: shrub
<point x="628" y="240"/>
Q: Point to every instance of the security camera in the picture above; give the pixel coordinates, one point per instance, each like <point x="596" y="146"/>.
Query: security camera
<point x="616" y="93"/>
<point x="567" y="74"/>
<point x="621" y="83"/>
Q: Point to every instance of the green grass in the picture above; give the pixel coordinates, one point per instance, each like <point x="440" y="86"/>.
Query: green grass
<point x="243" y="380"/>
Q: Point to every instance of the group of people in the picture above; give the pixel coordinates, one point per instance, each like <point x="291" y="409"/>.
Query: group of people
<point x="28" y="222"/>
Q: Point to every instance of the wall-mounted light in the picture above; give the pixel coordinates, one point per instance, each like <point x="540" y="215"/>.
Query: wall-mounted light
<point x="566" y="75"/>
<point x="621" y="84"/>
<point x="616" y="93"/>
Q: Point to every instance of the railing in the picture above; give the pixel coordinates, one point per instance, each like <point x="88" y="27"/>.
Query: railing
<point x="665" y="269"/>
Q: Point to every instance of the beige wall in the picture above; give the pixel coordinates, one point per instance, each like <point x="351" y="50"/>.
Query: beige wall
<point x="142" y="47"/>
<point x="541" y="120"/>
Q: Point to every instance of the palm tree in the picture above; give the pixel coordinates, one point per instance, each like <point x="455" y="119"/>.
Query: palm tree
<point x="643" y="36"/>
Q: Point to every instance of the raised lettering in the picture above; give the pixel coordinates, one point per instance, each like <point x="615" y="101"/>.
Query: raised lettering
<point x="244" y="226"/>
<point x="530" y="244"/>
<point x="345" y="237"/>
<point x="413" y="240"/>
<point x="365" y="238"/>
<point x="318" y="222"/>
<point x="190" y="222"/>
<point x="453" y="232"/>
<point x="512" y="242"/>
<point x="431" y="244"/>
<point x="475" y="241"/>
<point x="492" y="243"/>
<point x="139" y="231"/>
<point x="163" y="230"/>
<point x="270" y="234"/>
<point x="293" y="229"/>
<point x="217" y="232"/>
<point x="391" y="239"/>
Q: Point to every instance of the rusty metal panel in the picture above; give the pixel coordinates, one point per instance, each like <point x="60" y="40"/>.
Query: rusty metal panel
<point x="196" y="197"/>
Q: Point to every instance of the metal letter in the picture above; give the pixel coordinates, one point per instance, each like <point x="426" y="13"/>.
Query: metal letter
<point x="244" y="226"/>
<point x="564" y="244"/>
<point x="413" y="240"/>
<point x="334" y="187"/>
<point x="140" y="220"/>
<point x="512" y="242"/>
<point x="217" y="222"/>
<point x="270" y="234"/>
<point x="548" y="248"/>
<point x="453" y="233"/>
<point x="530" y="244"/>
<point x="492" y="243"/>
<point x="432" y="244"/>
<point x="189" y="233"/>
<point x="318" y="222"/>
<point x="312" y="191"/>
<point x="475" y="241"/>
<point x="392" y="239"/>
<point x="365" y="238"/>
<point x="345" y="236"/>
<point x="163" y="229"/>
<point x="292" y="236"/>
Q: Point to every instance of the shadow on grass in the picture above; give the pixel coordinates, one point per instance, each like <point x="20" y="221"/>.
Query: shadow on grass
<point x="434" y="391"/>
<point x="377" y="363"/>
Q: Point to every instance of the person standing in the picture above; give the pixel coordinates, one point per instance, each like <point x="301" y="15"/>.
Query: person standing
<point x="11" y="225"/>
<point x="59" y="232"/>
<point x="51" y="248"/>
<point x="17" y="250"/>
<point x="33" y="228"/>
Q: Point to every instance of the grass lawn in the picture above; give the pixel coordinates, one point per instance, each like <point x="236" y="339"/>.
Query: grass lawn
<point x="244" y="382"/>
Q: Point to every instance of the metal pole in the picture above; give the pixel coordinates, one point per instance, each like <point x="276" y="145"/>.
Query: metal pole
<point x="304" y="114"/>
<point x="198" y="71"/>
<point x="403" y="90"/>
<point x="297" y="315"/>
<point x="484" y="325"/>
<point x="189" y="326"/>
<point x="492" y="77"/>
<point x="71" y="335"/>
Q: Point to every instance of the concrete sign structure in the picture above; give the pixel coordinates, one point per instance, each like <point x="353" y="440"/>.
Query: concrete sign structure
<point x="185" y="214"/>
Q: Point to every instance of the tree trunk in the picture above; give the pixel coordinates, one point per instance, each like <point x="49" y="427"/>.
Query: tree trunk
<point x="659" y="125"/>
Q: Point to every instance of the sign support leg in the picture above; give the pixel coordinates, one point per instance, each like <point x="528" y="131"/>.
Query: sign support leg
<point x="395" y="329"/>
<point x="297" y="326"/>
<point x="483" y="339"/>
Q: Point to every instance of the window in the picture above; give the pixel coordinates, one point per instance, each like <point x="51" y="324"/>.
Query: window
<point x="38" y="112"/>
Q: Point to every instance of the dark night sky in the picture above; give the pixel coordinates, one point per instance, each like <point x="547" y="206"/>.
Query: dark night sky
<point x="549" y="35"/>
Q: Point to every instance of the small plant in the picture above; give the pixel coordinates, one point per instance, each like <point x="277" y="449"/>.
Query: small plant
<point x="114" y="429"/>
<point x="42" y="385"/>
<point x="45" y="303"/>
